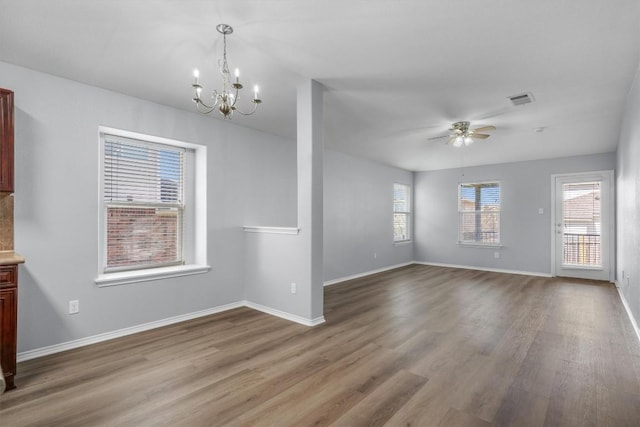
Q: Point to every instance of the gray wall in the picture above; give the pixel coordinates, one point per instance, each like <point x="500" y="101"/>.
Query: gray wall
<point x="358" y="215"/>
<point x="251" y="179"/>
<point x="525" y="187"/>
<point x="628" y="202"/>
<point x="275" y="261"/>
<point x="358" y="202"/>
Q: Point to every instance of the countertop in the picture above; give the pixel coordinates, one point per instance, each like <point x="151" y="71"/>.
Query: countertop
<point x="10" y="258"/>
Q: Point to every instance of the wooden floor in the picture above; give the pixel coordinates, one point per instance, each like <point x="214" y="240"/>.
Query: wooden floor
<point x="416" y="346"/>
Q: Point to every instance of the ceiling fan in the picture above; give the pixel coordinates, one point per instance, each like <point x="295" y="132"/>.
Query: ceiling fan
<point x="461" y="134"/>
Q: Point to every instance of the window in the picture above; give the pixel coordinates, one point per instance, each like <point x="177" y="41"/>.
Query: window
<point x="144" y="204"/>
<point x="582" y="219"/>
<point x="479" y="213"/>
<point x="401" y="213"/>
<point x="150" y="217"/>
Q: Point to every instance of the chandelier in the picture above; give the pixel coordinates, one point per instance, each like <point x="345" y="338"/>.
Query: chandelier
<point x="226" y="99"/>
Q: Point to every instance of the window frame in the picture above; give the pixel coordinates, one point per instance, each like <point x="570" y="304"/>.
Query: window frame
<point x="194" y="245"/>
<point x="182" y="224"/>
<point x="406" y="214"/>
<point x="477" y="212"/>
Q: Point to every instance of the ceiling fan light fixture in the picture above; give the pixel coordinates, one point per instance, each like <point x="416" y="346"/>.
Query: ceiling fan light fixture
<point x="461" y="135"/>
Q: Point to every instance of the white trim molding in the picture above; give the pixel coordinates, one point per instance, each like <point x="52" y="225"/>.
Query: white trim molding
<point x="69" y="345"/>
<point x="494" y="270"/>
<point x="134" y="276"/>
<point x="596" y="175"/>
<point x="366" y="273"/>
<point x="82" y="342"/>
<point x="283" y="314"/>
<point x="195" y="236"/>
<point x="270" y="230"/>
<point x="480" y="245"/>
<point x="628" y="310"/>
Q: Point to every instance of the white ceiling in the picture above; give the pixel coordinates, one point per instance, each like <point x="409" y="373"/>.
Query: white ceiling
<point x="396" y="72"/>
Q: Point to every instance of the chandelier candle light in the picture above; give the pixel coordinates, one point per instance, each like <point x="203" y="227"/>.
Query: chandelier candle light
<point x="226" y="99"/>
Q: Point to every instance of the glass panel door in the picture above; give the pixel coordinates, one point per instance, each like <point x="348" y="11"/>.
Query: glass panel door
<point x="582" y="225"/>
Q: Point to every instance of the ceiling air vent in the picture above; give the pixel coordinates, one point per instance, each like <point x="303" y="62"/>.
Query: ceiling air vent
<point x="521" y="99"/>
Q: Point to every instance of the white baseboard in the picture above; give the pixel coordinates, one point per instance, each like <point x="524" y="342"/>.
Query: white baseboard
<point x="285" y="315"/>
<point x="634" y="323"/>
<point x="495" y="270"/>
<point x="366" y="273"/>
<point x="82" y="342"/>
<point x="69" y="345"/>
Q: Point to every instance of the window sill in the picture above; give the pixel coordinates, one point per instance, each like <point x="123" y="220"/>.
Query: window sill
<point x="480" y="245"/>
<point x="581" y="267"/>
<point x="402" y="243"/>
<point x="124" y="277"/>
<point x="270" y="230"/>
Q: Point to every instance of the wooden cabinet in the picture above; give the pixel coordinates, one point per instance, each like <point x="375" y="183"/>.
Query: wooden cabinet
<point x="6" y="141"/>
<point x="8" y="321"/>
<point x="9" y="260"/>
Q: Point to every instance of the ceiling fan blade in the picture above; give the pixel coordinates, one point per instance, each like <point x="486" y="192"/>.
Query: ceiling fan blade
<point x="437" y="137"/>
<point x="479" y="135"/>
<point x="483" y="129"/>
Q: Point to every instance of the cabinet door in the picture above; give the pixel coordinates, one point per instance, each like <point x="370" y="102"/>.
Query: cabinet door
<point x="8" y="333"/>
<point x="6" y="141"/>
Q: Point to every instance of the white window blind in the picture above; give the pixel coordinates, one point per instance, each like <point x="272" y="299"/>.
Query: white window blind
<point x="479" y="213"/>
<point x="143" y="202"/>
<point x="401" y="213"/>
<point x="581" y="216"/>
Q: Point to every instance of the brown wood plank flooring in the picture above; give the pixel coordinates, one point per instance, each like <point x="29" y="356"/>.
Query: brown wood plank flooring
<point x="415" y="346"/>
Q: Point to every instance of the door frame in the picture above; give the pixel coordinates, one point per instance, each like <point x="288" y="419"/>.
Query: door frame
<point x="612" y="238"/>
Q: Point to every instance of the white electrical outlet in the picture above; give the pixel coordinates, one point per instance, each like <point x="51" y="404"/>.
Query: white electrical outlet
<point x="294" y="288"/>
<point x="74" y="306"/>
<point x="375" y="255"/>
<point x="496" y="254"/>
<point x="540" y="211"/>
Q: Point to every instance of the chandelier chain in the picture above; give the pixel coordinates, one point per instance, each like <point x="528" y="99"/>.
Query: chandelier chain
<point x="225" y="65"/>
